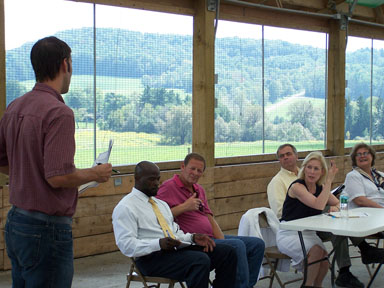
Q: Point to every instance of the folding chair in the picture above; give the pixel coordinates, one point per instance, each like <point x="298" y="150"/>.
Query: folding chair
<point x="375" y="240"/>
<point x="272" y="256"/>
<point x="135" y="275"/>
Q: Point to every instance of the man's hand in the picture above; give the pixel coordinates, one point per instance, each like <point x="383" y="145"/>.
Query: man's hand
<point x="205" y="241"/>
<point x="103" y="172"/>
<point x="192" y="203"/>
<point x="169" y="243"/>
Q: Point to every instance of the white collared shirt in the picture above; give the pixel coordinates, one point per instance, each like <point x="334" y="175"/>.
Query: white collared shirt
<point x="357" y="185"/>
<point x="137" y="231"/>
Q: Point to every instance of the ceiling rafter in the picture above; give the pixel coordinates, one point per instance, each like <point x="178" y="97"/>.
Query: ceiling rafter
<point x="379" y="14"/>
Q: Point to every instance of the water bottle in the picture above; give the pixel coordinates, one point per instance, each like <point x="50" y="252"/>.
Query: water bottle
<point x="343" y="206"/>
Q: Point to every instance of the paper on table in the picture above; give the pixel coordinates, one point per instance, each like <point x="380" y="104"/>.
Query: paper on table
<point x="101" y="159"/>
<point x="351" y="214"/>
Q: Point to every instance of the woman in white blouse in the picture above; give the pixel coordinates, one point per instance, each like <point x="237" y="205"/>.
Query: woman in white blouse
<point x="364" y="184"/>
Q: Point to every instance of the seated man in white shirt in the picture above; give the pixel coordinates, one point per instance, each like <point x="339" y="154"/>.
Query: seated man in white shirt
<point x="139" y="234"/>
<point x="277" y="191"/>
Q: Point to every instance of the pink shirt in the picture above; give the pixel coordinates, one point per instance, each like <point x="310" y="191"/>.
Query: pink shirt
<point x="37" y="142"/>
<point x="174" y="193"/>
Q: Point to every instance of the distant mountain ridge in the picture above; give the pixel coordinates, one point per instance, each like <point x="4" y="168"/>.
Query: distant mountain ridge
<point x="166" y="61"/>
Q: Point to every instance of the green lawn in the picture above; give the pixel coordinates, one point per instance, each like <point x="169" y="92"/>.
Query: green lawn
<point x="131" y="147"/>
<point x="281" y="108"/>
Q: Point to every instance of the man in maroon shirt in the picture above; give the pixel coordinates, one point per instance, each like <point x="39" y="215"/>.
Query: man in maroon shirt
<point x="190" y="209"/>
<point x="37" y="148"/>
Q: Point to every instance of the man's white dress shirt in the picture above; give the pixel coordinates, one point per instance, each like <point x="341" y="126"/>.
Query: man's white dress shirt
<point x="137" y="231"/>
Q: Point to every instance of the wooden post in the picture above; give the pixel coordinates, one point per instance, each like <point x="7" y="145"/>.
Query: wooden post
<point x="336" y="89"/>
<point x="3" y="178"/>
<point x="2" y="59"/>
<point x="203" y="99"/>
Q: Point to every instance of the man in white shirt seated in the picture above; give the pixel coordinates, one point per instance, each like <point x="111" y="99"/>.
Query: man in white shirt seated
<point x="277" y="191"/>
<point x="139" y="234"/>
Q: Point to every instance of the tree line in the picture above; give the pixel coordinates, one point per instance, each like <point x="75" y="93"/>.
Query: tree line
<point x="163" y="63"/>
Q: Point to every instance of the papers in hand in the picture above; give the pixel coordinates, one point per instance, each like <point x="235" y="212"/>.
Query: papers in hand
<point x="183" y="245"/>
<point x="101" y="159"/>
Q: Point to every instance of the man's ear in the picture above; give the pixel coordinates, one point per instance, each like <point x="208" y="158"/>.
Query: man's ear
<point x="68" y="65"/>
<point x="64" y="65"/>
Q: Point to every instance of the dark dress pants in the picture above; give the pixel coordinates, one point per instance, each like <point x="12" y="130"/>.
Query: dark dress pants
<point x="192" y="265"/>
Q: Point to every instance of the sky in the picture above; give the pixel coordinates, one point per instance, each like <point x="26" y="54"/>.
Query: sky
<point x="37" y="23"/>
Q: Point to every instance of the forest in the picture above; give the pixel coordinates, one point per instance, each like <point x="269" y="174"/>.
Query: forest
<point x="144" y="84"/>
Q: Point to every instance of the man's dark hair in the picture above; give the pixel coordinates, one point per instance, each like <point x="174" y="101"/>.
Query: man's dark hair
<point x="195" y="156"/>
<point x="366" y="146"/>
<point x="286" y="145"/>
<point x="46" y="57"/>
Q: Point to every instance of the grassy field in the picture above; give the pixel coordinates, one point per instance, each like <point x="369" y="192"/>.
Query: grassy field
<point x="281" y="108"/>
<point x="131" y="147"/>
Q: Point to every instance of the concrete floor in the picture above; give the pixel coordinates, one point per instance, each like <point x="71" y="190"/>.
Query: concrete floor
<point x="109" y="271"/>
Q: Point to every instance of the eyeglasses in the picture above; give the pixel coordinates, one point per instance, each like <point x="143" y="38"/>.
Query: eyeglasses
<point x="362" y="154"/>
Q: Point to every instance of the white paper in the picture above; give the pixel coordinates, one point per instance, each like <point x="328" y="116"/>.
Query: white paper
<point x="101" y="159"/>
<point x="351" y="214"/>
<point x="183" y="245"/>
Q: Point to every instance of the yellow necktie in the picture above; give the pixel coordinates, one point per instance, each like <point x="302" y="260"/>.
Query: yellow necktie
<point x="160" y="218"/>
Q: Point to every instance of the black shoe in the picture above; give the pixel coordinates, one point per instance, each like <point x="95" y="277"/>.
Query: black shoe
<point x="372" y="255"/>
<point x="347" y="279"/>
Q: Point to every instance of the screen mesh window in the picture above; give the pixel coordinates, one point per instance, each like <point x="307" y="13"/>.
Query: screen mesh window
<point x="364" y="93"/>
<point x="132" y="75"/>
<point x="271" y="89"/>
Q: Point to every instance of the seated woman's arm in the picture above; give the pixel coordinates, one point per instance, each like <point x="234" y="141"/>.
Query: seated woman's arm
<point x="365" y="202"/>
<point x="333" y="201"/>
<point x="300" y="192"/>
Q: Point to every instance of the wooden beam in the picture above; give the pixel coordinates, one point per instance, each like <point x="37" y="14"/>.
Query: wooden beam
<point x="314" y="4"/>
<point x="336" y="89"/>
<point x="266" y="17"/>
<point x="365" y="31"/>
<point x="379" y="14"/>
<point x="203" y="99"/>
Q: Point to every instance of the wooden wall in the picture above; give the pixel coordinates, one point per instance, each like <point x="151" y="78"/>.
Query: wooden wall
<point x="231" y="191"/>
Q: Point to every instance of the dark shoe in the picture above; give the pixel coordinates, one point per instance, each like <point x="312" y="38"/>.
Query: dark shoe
<point x="348" y="280"/>
<point x="372" y="255"/>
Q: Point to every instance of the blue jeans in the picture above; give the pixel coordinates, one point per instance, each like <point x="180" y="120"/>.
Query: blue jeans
<point x="250" y="253"/>
<point x="41" y="252"/>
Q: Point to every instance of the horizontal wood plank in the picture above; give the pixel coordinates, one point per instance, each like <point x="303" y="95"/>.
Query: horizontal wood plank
<point x="94" y="244"/>
<point x="92" y="225"/>
<point x="229" y="221"/>
<point x="239" y="203"/>
<point x="242" y="187"/>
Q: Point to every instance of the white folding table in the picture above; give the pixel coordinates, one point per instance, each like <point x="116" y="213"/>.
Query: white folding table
<point x="370" y="222"/>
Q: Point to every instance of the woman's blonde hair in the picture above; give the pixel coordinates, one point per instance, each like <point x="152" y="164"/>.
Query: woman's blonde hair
<point x="314" y="156"/>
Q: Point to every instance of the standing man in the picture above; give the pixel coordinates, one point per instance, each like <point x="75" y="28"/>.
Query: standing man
<point x="277" y="191"/>
<point x="144" y="229"/>
<point x="190" y="208"/>
<point x="37" y="148"/>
